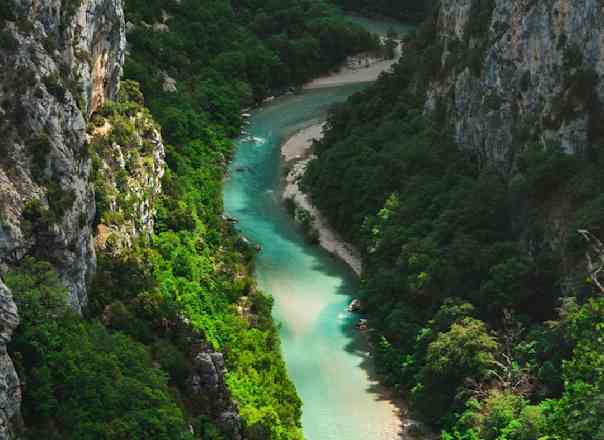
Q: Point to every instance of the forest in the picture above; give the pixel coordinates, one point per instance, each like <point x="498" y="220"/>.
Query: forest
<point x="124" y="370"/>
<point x="404" y="10"/>
<point x="474" y="323"/>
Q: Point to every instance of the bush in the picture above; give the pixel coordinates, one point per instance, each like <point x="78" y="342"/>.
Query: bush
<point x="502" y="415"/>
<point x="7" y="10"/>
<point x="36" y="220"/>
<point x="546" y="169"/>
<point x="82" y="381"/>
<point x="59" y="200"/>
<point x="39" y="150"/>
<point x="465" y="351"/>
<point x="8" y="42"/>
<point x="55" y="86"/>
<point x="173" y="361"/>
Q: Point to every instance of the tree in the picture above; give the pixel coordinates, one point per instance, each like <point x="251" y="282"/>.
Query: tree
<point x="465" y="351"/>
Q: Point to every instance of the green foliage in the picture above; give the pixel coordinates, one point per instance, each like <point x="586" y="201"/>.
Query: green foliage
<point x="70" y="7"/>
<point x="8" y="41"/>
<point x="54" y="86"/>
<point x="65" y="362"/>
<point x="465" y="351"/>
<point x="183" y="263"/>
<point x="453" y="246"/>
<point x="479" y="22"/>
<point x="7" y="10"/>
<point x="226" y="55"/>
<point x="502" y="416"/>
<point x="579" y="414"/>
<point x="546" y="169"/>
<point x="59" y="200"/>
<point x="36" y="220"/>
<point x="39" y="149"/>
<point x="191" y="270"/>
<point x="306" y="221"/>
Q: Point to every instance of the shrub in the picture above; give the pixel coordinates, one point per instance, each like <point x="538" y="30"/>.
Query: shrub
<point x="82" y="381"/>
<point x="8" y="41"/>
<point x="39" y="149"/>
<point x="55" y="86"/>
<point x="546" y="169"/>
<point x="173" y="361"/>
<point x="465" y="351"/>
<point x="36" y="220"/>
<point x="59" y="200"/>
<point x="7" y="10"/>
<point x="51" y="43"/>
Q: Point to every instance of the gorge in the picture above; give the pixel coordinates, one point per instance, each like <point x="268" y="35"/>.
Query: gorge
<point x="326" y="358"/>
<point x="144" y="295"/>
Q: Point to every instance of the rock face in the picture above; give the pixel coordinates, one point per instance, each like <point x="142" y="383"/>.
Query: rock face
<point x="519" y="72"/>
<point x="208" y="388"/>
<point x="128" y="164"/>
<point x="10" y="391"/>
<point x="60" y="61"/>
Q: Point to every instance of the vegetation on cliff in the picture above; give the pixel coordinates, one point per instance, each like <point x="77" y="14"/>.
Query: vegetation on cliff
<point x="486" y="315"/>
<point x="163" y="297"/>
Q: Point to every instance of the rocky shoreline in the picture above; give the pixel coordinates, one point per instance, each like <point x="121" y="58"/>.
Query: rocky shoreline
<point x="296" y="153"/>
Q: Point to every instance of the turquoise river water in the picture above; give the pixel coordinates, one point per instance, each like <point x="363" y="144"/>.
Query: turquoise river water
<point x="325" y="356"/>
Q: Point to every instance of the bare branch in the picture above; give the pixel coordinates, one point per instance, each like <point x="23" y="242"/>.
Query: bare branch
<point x="595" y="258"/>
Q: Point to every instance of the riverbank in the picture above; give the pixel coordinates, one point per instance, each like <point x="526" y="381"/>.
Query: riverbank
<point x="296" y="153"/>
<point x="357" y="69"/>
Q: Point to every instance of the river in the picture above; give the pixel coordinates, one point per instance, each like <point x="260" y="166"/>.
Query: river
<point x="326" y="357"/>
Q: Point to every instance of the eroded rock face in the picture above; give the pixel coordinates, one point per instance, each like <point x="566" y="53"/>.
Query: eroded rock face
<point x="59" y="60"/>
<point x="128" y="170"/>
<point x="10" y="391"/>
<point x="532" y="79"/>
<point x="208" y="388"/>
<point x="91" y="42"/>
<point x="63" y="59"/>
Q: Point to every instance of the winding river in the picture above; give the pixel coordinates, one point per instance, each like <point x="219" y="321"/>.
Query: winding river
<point x="326" y="357"/>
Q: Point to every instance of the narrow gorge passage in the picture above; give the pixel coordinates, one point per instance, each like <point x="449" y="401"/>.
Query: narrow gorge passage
<point x="325" y="356"/>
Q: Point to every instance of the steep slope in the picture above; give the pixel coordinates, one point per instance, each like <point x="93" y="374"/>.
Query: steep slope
<point x="166" y="331"/>
<point x="471" y="179"/>
<point x="533" y="75"/>
<point x="61" y="61"/>
<point x="10" y="398"/>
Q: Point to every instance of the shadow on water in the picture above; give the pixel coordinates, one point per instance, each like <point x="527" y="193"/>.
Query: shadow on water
<point x="359" y="342"/>
<point x="328" y="359"/>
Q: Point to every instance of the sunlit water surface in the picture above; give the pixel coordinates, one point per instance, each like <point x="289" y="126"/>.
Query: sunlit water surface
<point x="325" y="356"/>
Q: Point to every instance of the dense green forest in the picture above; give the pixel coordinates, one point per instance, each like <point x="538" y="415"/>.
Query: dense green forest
<point x="230" y="54"/>
<point x="474" y="322"/>
<point x="124" y="370"/>
<point x="406" y="10"/>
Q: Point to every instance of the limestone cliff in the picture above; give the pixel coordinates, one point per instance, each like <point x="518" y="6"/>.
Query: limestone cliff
<point x="210" y="393"/>
<point x="519" y="72"/>
<point x="10" y="391"/>
<point x="60" y="61"/>
<point x="128" y="154"/>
